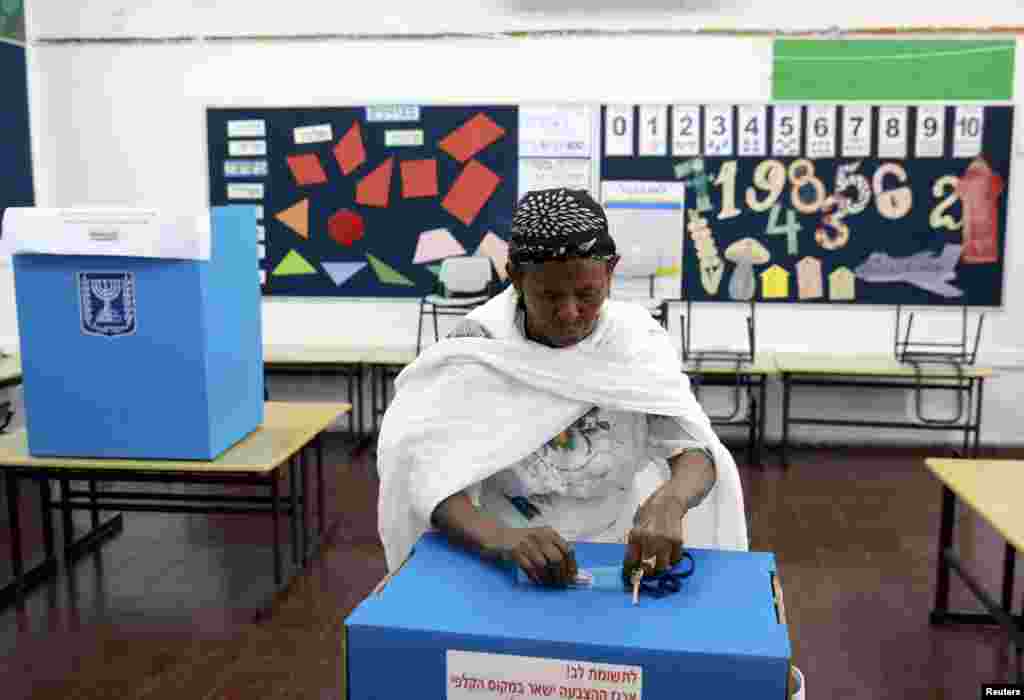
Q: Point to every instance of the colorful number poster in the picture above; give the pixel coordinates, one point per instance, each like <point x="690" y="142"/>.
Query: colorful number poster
<point x="368" y="201"/>
<point x="828" y="202"/>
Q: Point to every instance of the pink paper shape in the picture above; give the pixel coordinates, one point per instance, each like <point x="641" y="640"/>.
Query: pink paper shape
<point x="497" y="250"/>
<point x="435" y="245"/>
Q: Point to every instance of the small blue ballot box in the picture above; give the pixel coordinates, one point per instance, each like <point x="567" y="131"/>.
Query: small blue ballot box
<point x="140" y="334"/>
<point x="450" y="625"/>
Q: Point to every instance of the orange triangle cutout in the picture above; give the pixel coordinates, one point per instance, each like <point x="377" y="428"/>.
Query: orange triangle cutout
<point x="296" y="217"/>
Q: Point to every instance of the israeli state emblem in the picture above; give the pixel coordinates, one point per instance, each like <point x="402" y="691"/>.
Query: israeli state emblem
<point x="107" y="303"/>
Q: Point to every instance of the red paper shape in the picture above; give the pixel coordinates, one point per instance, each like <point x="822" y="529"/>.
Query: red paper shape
<point x="419" y="178"/>
<point x="373" y="189"/>
<point x="470" y="191"/>
<point x="472" y="137"/>
<point x="349" y="151"/>
<point x="345" y="227"/>
<point x="306" y="169"/>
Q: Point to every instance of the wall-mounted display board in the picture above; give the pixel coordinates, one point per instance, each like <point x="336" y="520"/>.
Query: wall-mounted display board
<point x="16" y="188"/>
<point x="826" y="202"/>
<point x="367" y="201"/>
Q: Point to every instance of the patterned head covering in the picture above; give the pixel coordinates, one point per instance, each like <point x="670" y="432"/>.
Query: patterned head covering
<point x="557" y="224"/>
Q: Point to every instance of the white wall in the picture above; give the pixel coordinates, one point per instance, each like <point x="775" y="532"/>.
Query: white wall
<point x="123" y="122"/>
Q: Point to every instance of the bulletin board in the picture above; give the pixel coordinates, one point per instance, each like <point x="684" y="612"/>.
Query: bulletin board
<point x="366" y="201"/>
<point x="16" y="188"/>
<point x="825" y="202"/>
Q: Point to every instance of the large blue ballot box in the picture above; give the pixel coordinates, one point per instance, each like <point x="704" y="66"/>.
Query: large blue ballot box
<point x="140" y="334"/>
<point x="450" y="625"/>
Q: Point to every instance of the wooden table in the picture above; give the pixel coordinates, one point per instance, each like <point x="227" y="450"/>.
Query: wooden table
<point x="741" y="377"/>
<point x="885" y="372"/>
<point x="991" y="487"/>
<point x="378" y="362"/>
<point x="258" y="459"/>
<point x="10" y="376"/>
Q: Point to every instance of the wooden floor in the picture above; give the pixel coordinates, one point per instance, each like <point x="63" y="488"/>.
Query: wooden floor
<point x="180" y="607"/>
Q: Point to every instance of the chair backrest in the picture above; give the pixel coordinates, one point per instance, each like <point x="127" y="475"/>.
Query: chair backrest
<point x="467" y="275"/>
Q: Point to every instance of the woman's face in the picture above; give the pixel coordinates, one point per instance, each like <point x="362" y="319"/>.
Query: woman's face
<point x="563" y="298"/>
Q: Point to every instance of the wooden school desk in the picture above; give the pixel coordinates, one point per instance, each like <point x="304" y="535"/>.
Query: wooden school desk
<point x="740" y="377"/>
<point x="885" y="372"/>
<point x="287" y="431"/>
<point x="991" y="487"/>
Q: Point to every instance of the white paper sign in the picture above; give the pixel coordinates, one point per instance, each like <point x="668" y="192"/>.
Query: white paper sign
<point x="930" y="134"/>
<point x="821" y="131"/>
<point x="653" y="130"/>
<point x="856" y="131"/>
<point x="263" y="277"/>
<point x="753" y="130"/>
<point x="261" y="250"/>
<point x="968" y="131"/>
<point x="718" y="131"/>
<point x="247" y="128"/>
<point x="471" y="675"/>
<point x="261" y="233"/>
<point x="892" y="132"/>
<point x="545" y="173"/>
<point x="245" y="190"/>
<point x="318" y="133"/>
<point x="393" y="113"/>
<point x="787" y="130"/>
<point x="403" y="137"/>
<point x="245" y="168"/>
<point x="259" y="212"/>
<point x="555" y="131"/>
<point x="618" y="130"/>
<point x="685" y="130"/>
<point x="247" y="148"/>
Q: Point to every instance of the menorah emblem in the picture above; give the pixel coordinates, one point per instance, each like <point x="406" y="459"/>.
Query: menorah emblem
<point x="106" y="290"/>
<point x="107" y="303"/>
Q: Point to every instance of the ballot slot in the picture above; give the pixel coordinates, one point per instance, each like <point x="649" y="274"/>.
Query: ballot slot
<point x="780" y="605"/>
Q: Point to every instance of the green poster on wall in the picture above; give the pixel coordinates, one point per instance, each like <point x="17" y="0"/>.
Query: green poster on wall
<point x="876" y="70"/>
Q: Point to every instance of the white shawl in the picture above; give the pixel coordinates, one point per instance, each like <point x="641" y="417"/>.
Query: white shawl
<point x="467" y="408"/>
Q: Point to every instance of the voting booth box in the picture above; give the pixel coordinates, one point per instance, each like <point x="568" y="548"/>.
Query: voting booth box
<point x="140" y="332"/>
<point x="450" y="625"/>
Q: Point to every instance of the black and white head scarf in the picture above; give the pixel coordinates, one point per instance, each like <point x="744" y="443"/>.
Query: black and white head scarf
<point x="558" y="224"/>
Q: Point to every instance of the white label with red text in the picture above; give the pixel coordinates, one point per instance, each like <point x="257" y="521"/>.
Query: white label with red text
<point x="474" y="675"/>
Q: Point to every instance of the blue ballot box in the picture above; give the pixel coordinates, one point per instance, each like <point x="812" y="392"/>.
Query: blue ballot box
<point x="450" y="625"/>
<point x="131" y="349"/>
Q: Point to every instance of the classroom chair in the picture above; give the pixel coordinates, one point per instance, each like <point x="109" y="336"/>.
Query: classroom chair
<point x="464" y="283"/>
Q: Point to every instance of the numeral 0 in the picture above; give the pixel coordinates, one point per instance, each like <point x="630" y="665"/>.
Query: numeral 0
<point x="619" y="125"/>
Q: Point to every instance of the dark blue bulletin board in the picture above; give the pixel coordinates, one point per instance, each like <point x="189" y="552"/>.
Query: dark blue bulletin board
<point x="16" y="188"/>
<point x="822" y="204"/>
<point x="367" y="201"/>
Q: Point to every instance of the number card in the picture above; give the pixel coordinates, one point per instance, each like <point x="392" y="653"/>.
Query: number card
<point x="968" y="127"/>
<point x="618" y="130"/>
<point x="685" y="130"/>
<point x="718" y="131"/>
<point x="856" y="131"/>
<point x="786" y="130"/>
<point x="930" y="141"/>
<point x="247" y="129"/>
<point x="821" y="131"/>
<point x="753" y="125"/>
<point x="653" y="130"/>
<point x="892" y="132"/>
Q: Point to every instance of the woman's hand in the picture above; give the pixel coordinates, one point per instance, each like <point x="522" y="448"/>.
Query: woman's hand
<point x="657" y="534"/>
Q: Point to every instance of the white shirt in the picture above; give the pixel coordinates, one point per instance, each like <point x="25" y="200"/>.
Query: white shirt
<point x="584" y="481"/>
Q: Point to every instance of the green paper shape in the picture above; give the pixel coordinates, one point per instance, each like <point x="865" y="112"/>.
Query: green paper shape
<point x="387" y="274"/>
<point x="294" y="264"/>
<point x="436" y="269"/>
